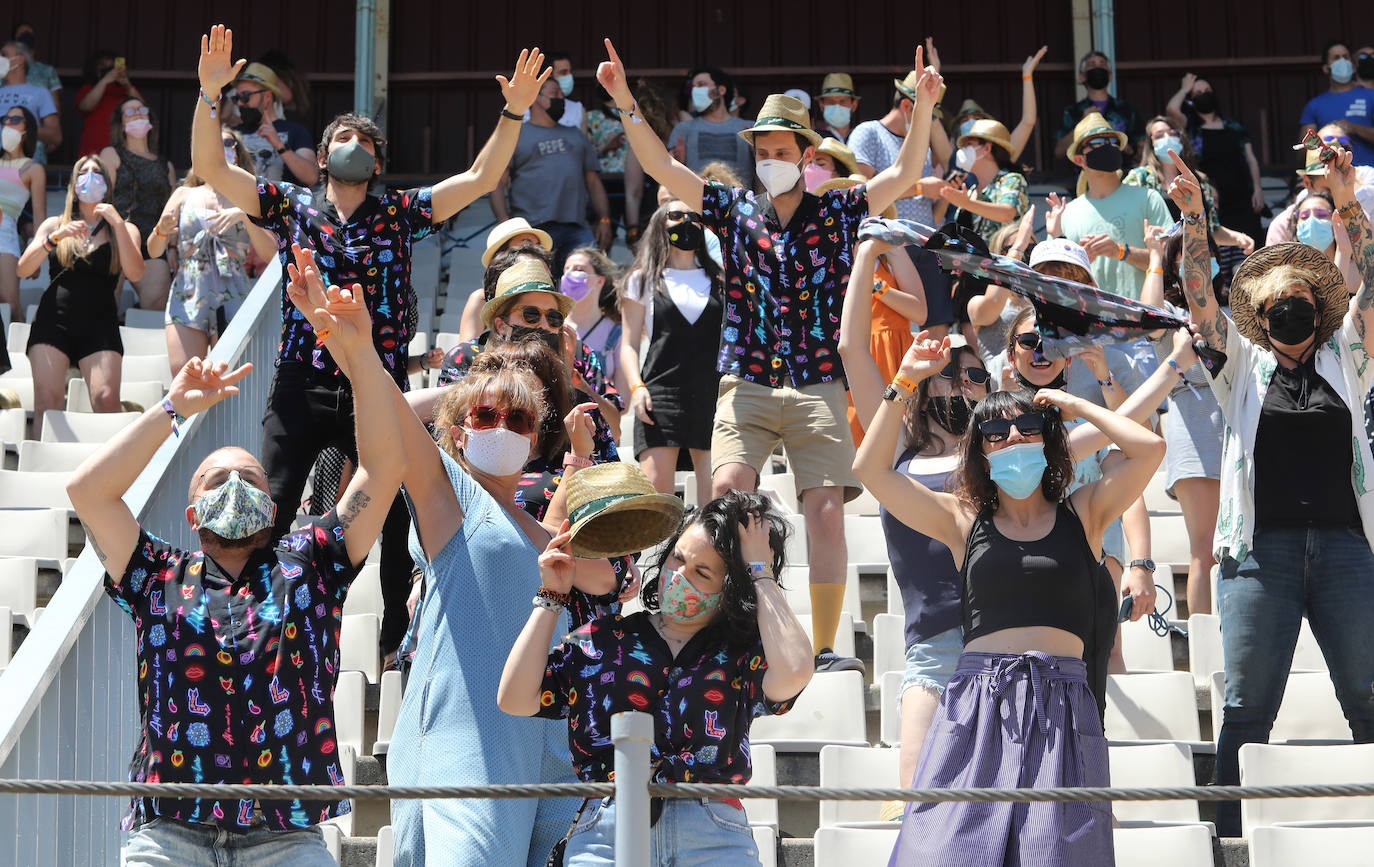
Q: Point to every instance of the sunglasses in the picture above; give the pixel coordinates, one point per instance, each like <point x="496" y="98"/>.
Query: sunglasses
<point x="230" y="143"/>
<point x="679" y="216"/>
<point x="1029" y="340"/>
<point x="975" y="375"/>
<point x="1313" y="142"/>
<point x="1342" y="140"/>
<point x="520" y="421"/>
<point x="1095" y="143"/>
<point x="14" y="120"/>
<point x="243" y="96"/>
<point x="532" y="315"/>
<point x="995" y="430"/>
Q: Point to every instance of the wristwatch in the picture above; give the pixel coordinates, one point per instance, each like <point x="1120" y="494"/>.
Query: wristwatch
<point x="282" y="149"/>
<point x="1146" y="562"/>
<point x="892" y="392"/>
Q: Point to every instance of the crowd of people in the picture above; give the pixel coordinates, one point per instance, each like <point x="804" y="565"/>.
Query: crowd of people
<point x="801" y="281"/>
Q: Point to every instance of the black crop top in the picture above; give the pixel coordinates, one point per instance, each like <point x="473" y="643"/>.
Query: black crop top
<point x="1050" y="581"/>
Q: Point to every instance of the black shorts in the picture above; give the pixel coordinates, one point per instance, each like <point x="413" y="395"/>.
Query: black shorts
<point x="75" y="339"/>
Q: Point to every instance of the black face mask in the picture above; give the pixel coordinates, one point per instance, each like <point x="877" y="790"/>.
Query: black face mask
<point x="557" y="105"/>
<point x="951" y="412"/>
<point x="686" y="235"/>
<point x="1097" y="77"/>
<point x="1058" y="382"/>
<point x="1291" y="321"/>
<point x="1103" y="158"/>
<point x="552" y="339"/>
<point x="28" y="39"/>
<point x="251" y="117"/>
<point x="1205" y="103"/>
<point x="1364" y="67"/>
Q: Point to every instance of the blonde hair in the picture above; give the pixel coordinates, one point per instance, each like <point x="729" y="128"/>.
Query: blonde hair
<point x="71" y="249"/>
<point x="1067" y="271"/>
<point x="1000" y="242"/>
<point x="1278" y="282"/>
<point x="721" y="173"/>
<point x="515" y="381"/>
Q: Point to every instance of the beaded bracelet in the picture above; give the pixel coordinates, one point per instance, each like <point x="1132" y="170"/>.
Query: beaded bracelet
<point x="547" y="604"/>
<point x="1179" y="371"/>
<point x="544" y="597"/>
<point x="214" y="107"/>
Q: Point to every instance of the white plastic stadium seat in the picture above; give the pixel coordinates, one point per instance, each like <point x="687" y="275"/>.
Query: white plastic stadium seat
<point x="1157" y="501"/>
<point x="1150" y="766"/>
<point x="1309" y="712"/>
<point x="365" y="593"/>
<point x="143" y="341"/>
<point x="844" y="634"/>
<point x="386" y="846"/>
<point x="18" y="334"/>
<point x="144" y="319"/>
<point x="446" y="340"/>
<point x="766" y="839"/>
<point x="146" y="368"/>
<point x="1204" y="650"/>
<point x="349" y="693"/>
<point x="1174" y="845"/>
<point x="764" y="762"/>
<point x="1153" y="706"/>
<point x="829" y="711"/>
<point x="851" y="767"/>
<point x="13" y="424"/>
<point x="37" y="533"/>
<point x="6" y="637"/>
<point x="145" y="394"/>
<point x="866" y="542"/>
<point x="41" y="457"/>
<point x="783" y="488"/>
<point x="1169" y="541"/>
<point x="358" y="637"/>
<point x="1143" y="649"/>
<point x="856" y="846"/>
<point x="796" y="582"/>
<point x="890" y="713"/>
<point x="1278" y="764"/>
<point x="388" y="708"/>
<point x="34" y="490"/>
<point x="1340" y="844"/>
<point x="19" y="588"/>
<point x="84" y="427"/>
<point x="889" y="643"/>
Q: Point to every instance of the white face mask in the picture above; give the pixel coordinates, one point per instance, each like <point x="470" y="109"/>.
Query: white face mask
<point x="965" y="157"/>
<point x="701" y="98"/>
<point x="4" y="66"/>
<point x="10" y="138"/>
<point x="778" y="176"/>
<point x="496" y="451"/>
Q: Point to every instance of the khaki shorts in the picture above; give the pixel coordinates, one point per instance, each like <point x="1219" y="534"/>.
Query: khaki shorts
<point x="810" y="423"/>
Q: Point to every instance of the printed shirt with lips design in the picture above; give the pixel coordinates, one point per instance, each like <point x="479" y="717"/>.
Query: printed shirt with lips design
<point x="236" y="676"/>
<point x="703" y="700"/>
<point x="784" y="285"/>
<point x="371" y="248"/>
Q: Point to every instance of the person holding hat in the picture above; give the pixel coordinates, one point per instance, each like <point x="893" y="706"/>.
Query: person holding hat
<point x="1108" y="218"/>
<point x="998" y="195"/>
<point x="1095" y="74"/>
<point x="281" y="148"/>
<point x="839" y="102"/>
<point x="715" y="646"/>
<point x="787" y="255"/>
<point x="1297" y="511"/>
<point x="711" y="132"/>
<point x="507" y="235"/>
<point x="1312" y="176"/>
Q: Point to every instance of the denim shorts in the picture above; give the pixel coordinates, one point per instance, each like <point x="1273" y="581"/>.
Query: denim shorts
<point x="690" y="831"/>
<point x="167" y="841"/>
<point x="931" y="663"/>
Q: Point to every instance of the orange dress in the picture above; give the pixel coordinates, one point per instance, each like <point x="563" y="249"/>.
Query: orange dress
<point x="889" y="340"/>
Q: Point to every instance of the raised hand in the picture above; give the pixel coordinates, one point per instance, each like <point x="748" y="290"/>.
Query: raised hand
<point x="754" y="544"/>
<point x="1028" y="67"/>
<point x="337" y="315"/>
<point x="931" y="54"/>
<point x="1025" y="231"/>
<point x="925" y="356"/>
<point x="217" y="67"/>
<point x="1053" y="214"/>
<point x="523" y="86"/>
<point x="1340" y="177"/>
<point x="1184" y="190"/>
<point x="556" y="564"/>
<point x="200" y="385"/>
<point x="1066" y="403"/>
<point x="1096" y="360"/>
<point x="611" y="74"/>
<point x="1186" y="85"/>
<point x="928" y="87"/>
<point x="581" y="430"/>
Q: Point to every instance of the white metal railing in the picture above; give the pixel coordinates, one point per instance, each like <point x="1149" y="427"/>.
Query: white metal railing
<point x="68" y="705"/>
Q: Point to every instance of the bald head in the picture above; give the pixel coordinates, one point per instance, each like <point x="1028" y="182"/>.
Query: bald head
<point x="214" y="471"/>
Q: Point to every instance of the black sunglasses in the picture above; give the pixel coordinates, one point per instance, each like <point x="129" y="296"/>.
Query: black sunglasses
<point x="995" y="430"/>
<point x="975" y="375"/>
<point x="689" y="216"/>
<point x="1029" y="340"/>
<point x="243" y="96"/>
<point x="532" y="315"/>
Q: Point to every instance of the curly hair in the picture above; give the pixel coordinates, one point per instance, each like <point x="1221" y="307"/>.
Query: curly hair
<point x="973" y="483"/>
<point x="499" y="369"/>
<point x="721" y="519"/>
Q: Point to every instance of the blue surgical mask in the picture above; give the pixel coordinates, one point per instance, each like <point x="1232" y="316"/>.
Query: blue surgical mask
<point x="565" y="83"/>
<point x="837" y="116"/>
<point x="701" y="99"/>
<point x="236" y="509"/>
<point x="1216" y="269"/>
<point x="1315" y="232"/>
<point x="966" y="127"/>
<point x="1018" y="469"/>
<point x="1167" y="143"/>
<point x="1342" y="70"/>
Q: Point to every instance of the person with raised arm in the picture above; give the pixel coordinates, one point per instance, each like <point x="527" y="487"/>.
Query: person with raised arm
<point x="786" y="261"/>
<point x="1297" y="511"/>
<point x="238" y="640"/>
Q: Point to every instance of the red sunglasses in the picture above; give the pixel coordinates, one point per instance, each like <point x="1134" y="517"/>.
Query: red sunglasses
<point x="516" y="420"/>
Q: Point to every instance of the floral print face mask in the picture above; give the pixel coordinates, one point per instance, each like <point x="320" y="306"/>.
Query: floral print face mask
<point x="682" y="603"/>
<point x="236" y="509"/>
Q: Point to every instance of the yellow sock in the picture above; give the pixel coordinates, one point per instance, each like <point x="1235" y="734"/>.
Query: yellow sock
<point x="826" y="602"/>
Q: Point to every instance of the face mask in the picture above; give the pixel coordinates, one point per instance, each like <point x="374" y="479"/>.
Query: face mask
<point x="951" y="412"/>
<point x="701" y="99"/>
<point x="836" y="116"/>
<point x="686" y="235"/>
<point x="683" y="604"/>
<point x="1216" y="269"/>
<point x="1205" y="103"/>
<point x="565" y="83"/>
<point x="1103" y="158"/>
<point x="11" y="138"/>
<point x="231" y="156"/>
<point x="28" y="39"/>
<point x="551" y="339"/>
<point x="574" y="285"/>
<point x="1018" y="469"/>
<point x="4" y="66"/>
<point x="1315" y="232"/>
<point x="236" y="509"/>
<point x="1365" y="67"/>
<point x="351" y="164"/>
<point x="1097" y="78"/>
<point x="965" y="157"/>
<point x="778" y="176"/>
<point x="1291" y="321"/>
<point x="557" y="106"/>
<point x="967" y="126"/>
<point x="91" y="187"/>
<point x="251" y="117"/>
<point x="138" y="128"/>
<point x="1342" y="70"/>
<point x="815" y="176"/>
<point x="1058" y="382"/>
<point x="496" y="451"/>
<point x="1165" y="144"/>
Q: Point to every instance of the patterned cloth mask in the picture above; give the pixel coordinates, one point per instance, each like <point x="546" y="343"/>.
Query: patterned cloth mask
<point x="236" y="509"/>
<point x="682" y="603"/>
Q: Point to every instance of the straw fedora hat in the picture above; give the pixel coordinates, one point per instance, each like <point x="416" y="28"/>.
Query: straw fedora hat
<point x="262" y="74"/>
<point x="986" y="129"/>
<point x="526" y="275"/>
<point x="782" y="113"/>
<point x="503" y="232"/>
<point x="890" y="212"/>
<point x="838" y="84"/>
<point x="615" y="511"/>
<point x="1094" y="124"/>
<point x="1314" y="167"/>
<point x="907" y="87"/>
<point x="842" y="155"/>
<point x="1329" y="289"/>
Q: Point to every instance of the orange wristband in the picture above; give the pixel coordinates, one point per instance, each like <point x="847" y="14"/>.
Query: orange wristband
<point x="904" y="384"/>
<point x="1159" y="271"/>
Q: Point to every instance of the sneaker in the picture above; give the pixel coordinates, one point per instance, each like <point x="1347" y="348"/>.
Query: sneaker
<point x="829" y="660"/>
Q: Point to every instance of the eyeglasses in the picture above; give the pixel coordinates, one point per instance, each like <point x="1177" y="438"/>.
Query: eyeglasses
<point x="679" y="216"/>
<point x="14" y="120"/>
<point x="975" y="375"/>
<point x="1029" y="340"/>
<point x="135" y="110"/>
<point x="532" y="315"/>
<point x="995" y="430"/>
<point x="520" y="421"/>
<point x="1313" y="142"/>
<point x="242" y="96"/>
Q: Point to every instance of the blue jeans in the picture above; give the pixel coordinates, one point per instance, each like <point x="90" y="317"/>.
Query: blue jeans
<point x="1326" y="573"/>
<point x="690" y="833"/>
<point x="169" y="843"/>
<point x="566" y="238"/>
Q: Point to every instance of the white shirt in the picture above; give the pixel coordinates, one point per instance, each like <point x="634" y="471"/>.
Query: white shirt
<point x="689" y="288"/>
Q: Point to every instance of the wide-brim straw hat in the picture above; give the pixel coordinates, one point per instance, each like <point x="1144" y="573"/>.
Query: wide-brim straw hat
<point x="503" y="232"/>
<point x="615" y="511"/>
<point x="1314" y="166"/>
<point x="262" y="74"/>
<point x="526" y="275"/>
<point x="838" y="84"/>
<point x="987" y="129"/>
<point x="1092" y="125"/>
<point x="782" y="113"/>
<point x="1330" y="290"/>
<point x="890" y="212"/>
<point x="971" y="106"/>
<point x="841" y="153"/>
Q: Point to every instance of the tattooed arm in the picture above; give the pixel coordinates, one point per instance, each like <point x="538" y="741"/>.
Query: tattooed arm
<point x="1206" y="313"/>
<point x="1341" y="177"/>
